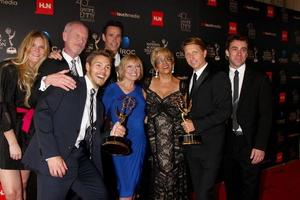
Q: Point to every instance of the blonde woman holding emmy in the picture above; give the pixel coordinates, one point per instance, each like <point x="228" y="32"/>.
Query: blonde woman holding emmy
<point x="169" y="177"/>
<point x="128" y="168"/>
<point x="17" y="100"/>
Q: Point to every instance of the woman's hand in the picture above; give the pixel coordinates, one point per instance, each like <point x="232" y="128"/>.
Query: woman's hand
<point x="15" y="151"/>
<point x="14" y="148"/>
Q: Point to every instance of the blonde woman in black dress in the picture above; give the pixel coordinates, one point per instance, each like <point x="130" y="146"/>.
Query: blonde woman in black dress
<point x="17" y="76"/>
<point x="169" y="171"/>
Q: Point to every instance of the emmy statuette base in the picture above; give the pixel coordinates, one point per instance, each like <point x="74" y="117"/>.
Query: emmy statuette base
<point x="116" y="145"/>
<point x="190" y="139"/>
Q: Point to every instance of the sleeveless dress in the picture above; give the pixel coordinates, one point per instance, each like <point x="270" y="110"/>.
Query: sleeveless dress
<point x="12" y="111"/>
<point x="169" y="171"/>
<point x="128" y="168"/>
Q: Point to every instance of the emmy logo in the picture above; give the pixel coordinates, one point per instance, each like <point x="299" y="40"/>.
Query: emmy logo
<point x="11" y="34"/>
<point x="251" y="31"/>
<point x="116" y="145"/>
<point x="96" y="39"/>
<point x="164" y="42"/>
<point x="187" y="138"/>
<point x="217" y="49"/>
<point x="255" y="59"/>
<point x="273" y="55"/>
<point x="282" y="77"/>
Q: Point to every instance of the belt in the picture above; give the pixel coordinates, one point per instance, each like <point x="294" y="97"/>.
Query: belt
<point x="237" y="133"/>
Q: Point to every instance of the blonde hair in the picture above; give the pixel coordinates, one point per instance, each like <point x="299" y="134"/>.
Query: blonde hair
<point x="160" y="50"/>
<point x="124" y="61"/>
<point x="27" y="74"/>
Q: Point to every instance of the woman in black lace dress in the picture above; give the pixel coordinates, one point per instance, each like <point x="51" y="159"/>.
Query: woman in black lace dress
<point x="169" y="171"/>
<point x="16" y="109"/>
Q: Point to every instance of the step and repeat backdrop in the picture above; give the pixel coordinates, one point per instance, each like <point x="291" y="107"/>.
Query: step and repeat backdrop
<point x="274" y="35"/>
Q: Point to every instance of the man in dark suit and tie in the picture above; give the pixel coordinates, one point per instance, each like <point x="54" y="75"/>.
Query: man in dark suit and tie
<point x="211" y="108"/>
<point x="112" y="33"/>
<point x="56" y="71"/>
<point x="247" y="138"/>
<point x="65" y="151"/>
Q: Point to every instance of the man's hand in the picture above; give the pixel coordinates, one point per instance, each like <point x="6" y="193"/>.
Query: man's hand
<point x="57" y="166"/>
<point x="55" y="54"/>
<point x="15" y="151"/>
<point x="118" y="130"/>
<point x="60" y="79"/>
<point x="257" y="156"/>
<point x="188" y="126"/>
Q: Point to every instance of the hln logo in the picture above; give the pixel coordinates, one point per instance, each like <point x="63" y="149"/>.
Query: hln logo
<point x="45" y="5"/>
<point x="157" y="18"/>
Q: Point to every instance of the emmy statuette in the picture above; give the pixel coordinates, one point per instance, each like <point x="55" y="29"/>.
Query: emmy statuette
<point x="116" y="145"/>
<point x="187" y="138"/>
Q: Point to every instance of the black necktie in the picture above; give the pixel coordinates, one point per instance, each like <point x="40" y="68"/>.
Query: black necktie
<point x="235" y="124"/>
<point x="73" y="68"/>
<point x="89" y="133"/>
<point x="194" y="83"/>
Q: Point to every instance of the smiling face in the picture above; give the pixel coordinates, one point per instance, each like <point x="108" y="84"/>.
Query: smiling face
<point x="164" y="63"/>
<point x="130" y="68"/>
<point x="75" y="37"/>
<point x="132" y="71"/>
<point x="112" y="38"/>
<point x="37" y="51"/>
<point x="98" y="70"/>
<point x="195" y="56"/>
<point x="237" y="53"/>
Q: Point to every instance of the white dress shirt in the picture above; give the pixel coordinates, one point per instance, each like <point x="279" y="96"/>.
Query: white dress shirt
<point x="241" y="71"/>
<point x="85" y="122"/>
<point x="198" y="73"/>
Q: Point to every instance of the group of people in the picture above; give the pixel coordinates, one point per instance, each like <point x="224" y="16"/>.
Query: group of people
<point x="53" y="111"/>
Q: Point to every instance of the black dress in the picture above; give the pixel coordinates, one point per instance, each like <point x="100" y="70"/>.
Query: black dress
<point x="169" y="171"/>
<point x="11" y="100"/>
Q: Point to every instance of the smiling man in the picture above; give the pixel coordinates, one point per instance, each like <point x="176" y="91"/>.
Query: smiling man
<point x="112" y="37"/>
<point x="66" y="149"/>
<point x="248" y="136"/>
<point x="211" y="107"/>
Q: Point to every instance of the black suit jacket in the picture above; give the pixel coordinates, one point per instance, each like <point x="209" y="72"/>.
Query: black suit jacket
<point x="254" y="111"/>
<point x="211" y="108"/>
<point x="57" y="120"/>
<point x="51" y="66"/>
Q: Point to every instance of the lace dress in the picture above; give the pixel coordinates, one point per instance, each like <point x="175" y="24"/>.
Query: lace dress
<point x="169" y="176"/>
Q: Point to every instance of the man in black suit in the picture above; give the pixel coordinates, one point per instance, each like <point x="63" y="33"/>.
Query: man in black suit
<point x="65" y="151"/>
<point x="112" y="33"/>
<point x="211" y="107"/>
<point x="56" y="71"/>
<point x="247" y="138"/>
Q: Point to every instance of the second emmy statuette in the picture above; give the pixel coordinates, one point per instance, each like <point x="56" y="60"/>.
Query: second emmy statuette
<point x="187" y="138"/>
<point x="117" y="145"/>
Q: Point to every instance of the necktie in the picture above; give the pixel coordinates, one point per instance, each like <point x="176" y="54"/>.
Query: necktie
<point x="235" y="124"/>
<point x="236" y="85"/>
<point x="73" y="68"/>
<point x="194" y="83"/>
<point x="89" y="134"/>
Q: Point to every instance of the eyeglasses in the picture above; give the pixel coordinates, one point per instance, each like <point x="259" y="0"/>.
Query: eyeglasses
<point x="164" y="60"/>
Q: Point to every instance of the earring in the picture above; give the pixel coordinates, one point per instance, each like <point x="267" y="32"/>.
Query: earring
<point x="156" y="73"/>
<point x="172" y="70"/>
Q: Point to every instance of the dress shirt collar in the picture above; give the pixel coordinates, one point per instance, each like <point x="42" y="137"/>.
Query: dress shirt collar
<point x="241" y="70"/>
<point x="69" y="58"/>
<point x="200" y="71"/>
<point x="117" y="58"/>
<point x="89" y="85"/>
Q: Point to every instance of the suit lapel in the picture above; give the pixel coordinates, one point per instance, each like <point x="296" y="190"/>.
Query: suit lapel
<point x="245" y="85"/>
<point x="64" y="64"/>
<point x="201" y="79"/>
<point x="81" y="98"/>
